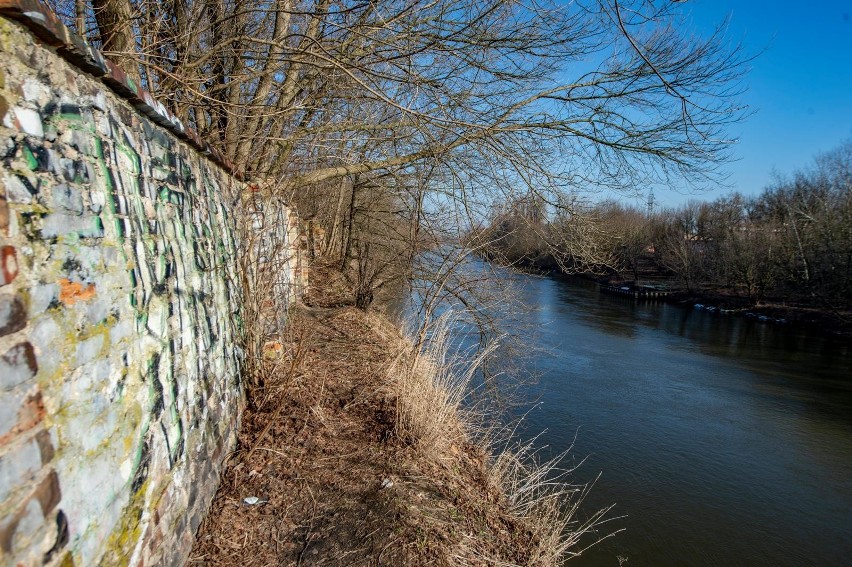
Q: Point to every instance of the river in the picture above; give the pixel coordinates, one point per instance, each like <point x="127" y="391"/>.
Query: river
<point x="722" y="441"/>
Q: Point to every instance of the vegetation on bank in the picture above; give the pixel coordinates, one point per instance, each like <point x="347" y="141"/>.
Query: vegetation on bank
<point x="787" y="250"/>
<point x="357" y="451"/>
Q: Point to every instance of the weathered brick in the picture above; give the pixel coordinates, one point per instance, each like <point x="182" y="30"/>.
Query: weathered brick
<point x="79" y="114"/>
<point x="98" y="309"/>
<point x="19" y="412"/>
<point x="99" y="312"/>
<point x="97" y="200"/>
<point x="28" y="121"/>
<point x="8" y="265"/>
<point x="42" y="297"/>
<point x="17" y="365"/>
<point x="45" y="447"/>
<point x="62" y="224"/>
<point x="43" y="23"/>
<point x="119" y="81"/>
<point x="45" y="338"/>
<point x="10" y="403"/>
<point x="35" y="91"/>
<point x="60" y="540"/>
<point x="89" y="349"/>
<point x="67" y="198"/>
<point x="13" y="314"/>
<point x="18" y="467"/>
<point x="79" y="52"/>
<point x="8" y="525"/>
<point x="31" y="520"/>
<point x="83" y="142"/>
<point x="123" y="329"/>
<point x="66" y="167"/>
<point x="48" y="493"/>
<point x="128" y="160"/>
<point x="19" y="189"/>
<point x="50" y="132"/>
<point x="71" y="292"/>
<point x="29" y="535"/>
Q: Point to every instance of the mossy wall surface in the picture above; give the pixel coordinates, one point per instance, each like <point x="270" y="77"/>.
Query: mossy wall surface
<point x="119" y="373"/>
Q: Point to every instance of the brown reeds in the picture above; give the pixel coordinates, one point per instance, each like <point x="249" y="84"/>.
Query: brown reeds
<point x="430" y="386"/>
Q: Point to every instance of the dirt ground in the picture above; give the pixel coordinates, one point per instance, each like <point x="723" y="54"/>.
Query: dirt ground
<point x="321" y="478"/>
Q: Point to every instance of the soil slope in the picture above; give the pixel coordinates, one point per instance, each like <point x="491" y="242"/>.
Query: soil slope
<point x="334" y="482"/>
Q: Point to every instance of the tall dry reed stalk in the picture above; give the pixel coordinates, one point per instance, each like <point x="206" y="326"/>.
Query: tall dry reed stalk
<point x="431" y="385"/>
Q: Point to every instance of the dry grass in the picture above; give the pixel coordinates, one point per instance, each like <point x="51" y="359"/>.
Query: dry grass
<point x="542" y="497"/>
<point x="429" y="386"/>
<point x="362" y="452"/>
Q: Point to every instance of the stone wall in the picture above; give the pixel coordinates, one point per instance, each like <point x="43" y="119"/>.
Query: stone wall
<point x="119" y="368"/>
<point x="275" y="263"/>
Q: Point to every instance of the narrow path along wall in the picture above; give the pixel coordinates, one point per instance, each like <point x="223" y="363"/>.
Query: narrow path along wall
<point x="119" y="368"/>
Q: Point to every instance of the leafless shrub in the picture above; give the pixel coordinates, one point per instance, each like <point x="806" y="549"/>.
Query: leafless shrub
<point x="269" y="267"/>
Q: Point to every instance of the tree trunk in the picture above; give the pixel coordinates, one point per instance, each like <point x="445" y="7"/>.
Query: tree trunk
<point x="347" y="243"/>
<point x="334" y="235"/>
<point x="118" y="40"/>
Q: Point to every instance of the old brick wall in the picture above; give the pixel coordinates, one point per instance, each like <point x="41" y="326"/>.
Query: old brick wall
<point x="119" y="368"/>
<point x="276" y="265"/>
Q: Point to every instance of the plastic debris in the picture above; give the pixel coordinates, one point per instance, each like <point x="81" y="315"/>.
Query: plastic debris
<point x="252" y="500"/>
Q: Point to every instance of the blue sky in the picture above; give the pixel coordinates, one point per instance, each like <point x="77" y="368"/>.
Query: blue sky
<point x="800" y="86"/>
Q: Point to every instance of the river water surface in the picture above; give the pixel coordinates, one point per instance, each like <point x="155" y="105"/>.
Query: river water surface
<point x="722" y="441"/>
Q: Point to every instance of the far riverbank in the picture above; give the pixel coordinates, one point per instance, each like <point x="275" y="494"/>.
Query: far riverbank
<point x="712" y="299"/>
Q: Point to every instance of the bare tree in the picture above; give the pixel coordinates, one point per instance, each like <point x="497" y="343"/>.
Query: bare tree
<point x="682" y="244"/>
<point x="316" y="90"/>
<point x="480" y="101"/>
<point x="812" y="211"/>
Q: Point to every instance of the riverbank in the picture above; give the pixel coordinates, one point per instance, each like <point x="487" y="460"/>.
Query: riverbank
<point x="817" y="320"/>
<point x="727" y="304"/>
<point x="356" y="452"/>
<point x="719" y="300"/>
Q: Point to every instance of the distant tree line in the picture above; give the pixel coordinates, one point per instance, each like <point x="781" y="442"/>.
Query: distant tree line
<point x="792" y="243"/>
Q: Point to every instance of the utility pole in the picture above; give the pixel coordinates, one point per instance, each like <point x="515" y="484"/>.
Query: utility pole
<point x="650" y="202"/>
